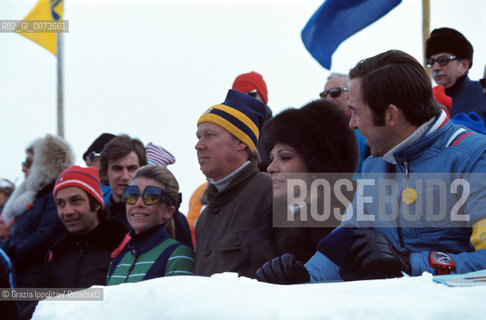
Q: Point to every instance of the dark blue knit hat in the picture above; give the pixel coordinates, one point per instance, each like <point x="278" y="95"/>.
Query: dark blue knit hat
<point x="239" y="114"/>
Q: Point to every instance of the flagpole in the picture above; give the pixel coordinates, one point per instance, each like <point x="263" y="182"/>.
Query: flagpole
<point x="60" y="111"/>
<point x="425" y="29"/>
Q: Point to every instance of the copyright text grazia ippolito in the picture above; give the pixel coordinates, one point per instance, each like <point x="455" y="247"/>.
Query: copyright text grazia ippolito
<point x="37" y="294"/>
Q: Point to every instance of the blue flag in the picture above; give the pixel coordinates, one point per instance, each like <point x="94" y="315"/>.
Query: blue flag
<point x="337" y="20"/>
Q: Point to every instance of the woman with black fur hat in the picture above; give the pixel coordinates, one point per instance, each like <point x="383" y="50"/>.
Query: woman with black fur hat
<point x="313" y="139"/>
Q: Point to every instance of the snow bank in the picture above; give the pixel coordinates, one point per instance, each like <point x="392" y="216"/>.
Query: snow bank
<point x="227" y="296"/>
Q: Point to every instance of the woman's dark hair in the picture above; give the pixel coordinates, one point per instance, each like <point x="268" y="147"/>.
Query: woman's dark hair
<point x="319" y="132"/>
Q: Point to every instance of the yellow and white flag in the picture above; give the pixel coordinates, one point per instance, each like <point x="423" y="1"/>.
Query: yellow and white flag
<point x="45" y="10"/>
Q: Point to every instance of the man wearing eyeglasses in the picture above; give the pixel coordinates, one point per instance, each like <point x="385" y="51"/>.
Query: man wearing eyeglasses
<point x="92" y="155"/>
<point x="336" y="90"/>
<point x="449" y="58"/>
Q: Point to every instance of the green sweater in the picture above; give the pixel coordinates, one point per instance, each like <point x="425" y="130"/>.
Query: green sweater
<point x="144" y="259"/>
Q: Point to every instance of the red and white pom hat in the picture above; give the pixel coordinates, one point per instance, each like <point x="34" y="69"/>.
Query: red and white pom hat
<point x="84" y="178"/>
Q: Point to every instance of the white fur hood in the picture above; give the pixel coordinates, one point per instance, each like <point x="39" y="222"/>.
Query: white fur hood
<point x="52" y="155"/>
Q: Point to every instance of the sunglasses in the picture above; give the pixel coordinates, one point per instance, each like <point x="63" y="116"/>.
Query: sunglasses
<point x="253" y="93"/>
<point x="92" y="156"/>
<point x="334" y="92"/>
<point x="27" y="164"/>
<point x="483" y="82"/>
<point x="442" y="60"/>
<point x="151" y="195"/>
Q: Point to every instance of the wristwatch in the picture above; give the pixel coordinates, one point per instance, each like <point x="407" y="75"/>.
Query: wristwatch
<point x="441" y="262"/>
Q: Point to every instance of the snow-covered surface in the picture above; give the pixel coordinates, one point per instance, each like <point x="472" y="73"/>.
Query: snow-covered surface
<point x="225" y="296"/>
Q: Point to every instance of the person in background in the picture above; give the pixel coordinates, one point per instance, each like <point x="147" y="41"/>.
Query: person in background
<point x="93" y="154"/>
<point x="336" y="90"/>
<point x="483" y="81"/>
<point x="92" y="158"/>
<point x="196" y="206"/>
<point x="28" y="161"/>
<point x="449" y="57"/>
<point x="177" y="225"/>
<point x="32" y="206"/>
<point x="239" y="195"/>
<point x="151" y="199"/>
<point x="6" y="189"/>
<point x="252" y="84"/>
<point x="8" y="309"/>
<point x="314" y="139"/>
<point x="119" y="161"/>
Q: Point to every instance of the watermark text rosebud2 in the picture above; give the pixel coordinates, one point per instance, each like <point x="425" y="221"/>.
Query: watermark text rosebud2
<point x="379" y="200"/>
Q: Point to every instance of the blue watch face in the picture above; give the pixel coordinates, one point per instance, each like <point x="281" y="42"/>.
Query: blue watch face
<point x="442" y="258"/>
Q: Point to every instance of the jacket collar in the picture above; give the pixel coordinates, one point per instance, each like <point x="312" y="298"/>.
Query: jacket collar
<point x="430" y="137"/>
<point x="145" y="241"/>
<point x="240" y="179"/>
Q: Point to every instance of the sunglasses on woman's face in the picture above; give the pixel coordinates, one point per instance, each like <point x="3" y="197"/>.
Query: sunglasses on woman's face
<point x="334" y="92"/>
<point x="151" y="195"/>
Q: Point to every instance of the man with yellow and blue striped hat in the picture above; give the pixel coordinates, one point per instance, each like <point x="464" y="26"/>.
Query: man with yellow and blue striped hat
<point x="238" y="194"/>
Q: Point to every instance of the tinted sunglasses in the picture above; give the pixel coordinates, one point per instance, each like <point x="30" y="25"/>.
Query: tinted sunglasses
<point x="253" y="93"/>
<point x="27" y="164"/>
<point x="92" y="156"/>
<point x="334" y="92"/>
<point x="442" y="60"/>
<point x="483" y="82"/>
<point x="151" y="195"/>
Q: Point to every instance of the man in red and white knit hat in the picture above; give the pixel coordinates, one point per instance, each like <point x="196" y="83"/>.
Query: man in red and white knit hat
<point x="81" y="258"/>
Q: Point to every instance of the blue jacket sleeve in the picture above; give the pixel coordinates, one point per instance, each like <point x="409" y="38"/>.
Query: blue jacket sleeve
<point x="320" y="269"/>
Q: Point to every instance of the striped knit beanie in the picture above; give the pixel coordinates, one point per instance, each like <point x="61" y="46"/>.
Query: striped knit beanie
<point x="84" y="178"/>
<point x="158" y="155"/>
<point x="239" y="114"/>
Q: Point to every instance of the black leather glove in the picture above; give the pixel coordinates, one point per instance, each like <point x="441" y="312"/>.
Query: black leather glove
<point x="371" y="252"/>
<point x="285" y="269"/>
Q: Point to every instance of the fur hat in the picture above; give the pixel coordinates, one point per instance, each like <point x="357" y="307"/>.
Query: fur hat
<point x="84" y="178"/>
<point x="52" y="155"/>
<point x="449" y="40"/>
<point x="250" y="81"/>
<point x="239" y="114"/>
<point x="319" y="132"/>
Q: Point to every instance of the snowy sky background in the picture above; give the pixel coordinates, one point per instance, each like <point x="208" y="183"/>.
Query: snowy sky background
<point x="149" y="68"/>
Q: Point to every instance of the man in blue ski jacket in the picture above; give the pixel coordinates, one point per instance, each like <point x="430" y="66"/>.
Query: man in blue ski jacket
<point x="413" y="224"/>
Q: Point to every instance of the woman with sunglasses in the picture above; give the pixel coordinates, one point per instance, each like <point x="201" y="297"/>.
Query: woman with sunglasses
<point x="305" y="143"/>
<point x="151" y="199"/>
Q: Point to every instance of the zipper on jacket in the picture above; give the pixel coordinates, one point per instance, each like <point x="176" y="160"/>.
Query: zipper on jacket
<point x="132" y="266"/>
<point x="405" y="185"/>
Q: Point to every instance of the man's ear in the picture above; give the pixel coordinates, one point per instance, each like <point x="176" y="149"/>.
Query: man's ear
<point x="391" y="115"/>
<point x="241" y="146"/>
<point x="465" y="65"/>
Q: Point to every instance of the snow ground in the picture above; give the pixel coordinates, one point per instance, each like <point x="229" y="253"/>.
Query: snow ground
<point x="227" y="296"/>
